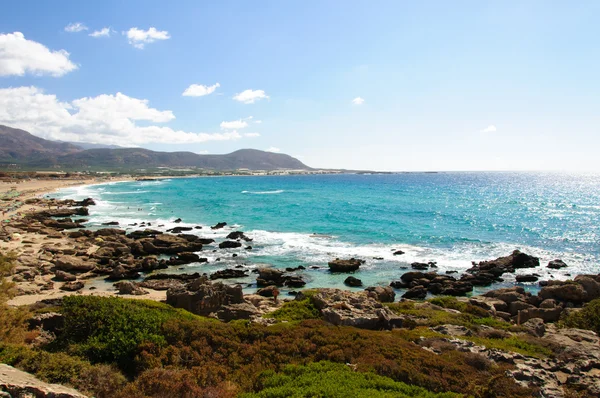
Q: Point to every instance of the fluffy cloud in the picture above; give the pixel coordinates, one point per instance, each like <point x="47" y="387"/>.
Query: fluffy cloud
<point x="109" y="119"/>
<point x="199" y="90"/>
<point x="358" y="101"/>
<point x="104" y="32"/>
<point x="489" y="129"/>
<point x="19" y="56"/>
<point x="75" y="27"/>
<point x="273" y="149"/>
<point x="251" y="135"/>
<point x="234" y="125"/>
<point x="250" y="96"/>
<point x="139" y="37"/>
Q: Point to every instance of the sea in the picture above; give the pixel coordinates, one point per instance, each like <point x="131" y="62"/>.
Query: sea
<point x="451" y="218"/>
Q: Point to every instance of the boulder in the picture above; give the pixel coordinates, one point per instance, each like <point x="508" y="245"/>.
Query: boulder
<point x="557" y="264"/>
<point x="382" y="294"/>
<point x="417" y="292"/>
<point x="63" y="276"/>
<point x="526" y="278"/>
<point x="591" y="286"/>
<point x="344" y="308"/>
<point x="73" y="263"/>
<point x="236" y="235"/>
<point x="270" y="276"/>
<point x="119" y="272"/>
<point x="237" y="311"/>
<point x="219" y="225"/>
<point x="72" y="286"/>
<point x="350" y="265"/>
<point x="352" y="282"/>
<point x="294" y="281"/>
<point x="535" y="326"/>
<point x="229" y="244"/>
<point x="127" y="287"/>
<point x="228" y="273"/>
<point x="17" y="383"/>
<point x="567" y="291"/>
<point x="268" y="291"/>
<point x="408" y="277"/>
<point x="204" y="298"/>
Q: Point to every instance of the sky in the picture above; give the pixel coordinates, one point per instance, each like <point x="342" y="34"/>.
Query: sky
<point x="372" y="85"/>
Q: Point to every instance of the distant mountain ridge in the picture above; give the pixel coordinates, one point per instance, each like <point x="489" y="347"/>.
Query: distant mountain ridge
<point x="22" y="148"/>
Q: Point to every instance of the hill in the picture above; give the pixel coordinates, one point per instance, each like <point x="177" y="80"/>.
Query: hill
<point x="22" y="148"/>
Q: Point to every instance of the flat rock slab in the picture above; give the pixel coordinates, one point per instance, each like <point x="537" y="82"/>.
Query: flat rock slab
<point x="22" y="384"/>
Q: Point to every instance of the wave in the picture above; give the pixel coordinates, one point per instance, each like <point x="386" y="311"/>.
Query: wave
<point x="264" y="192"/>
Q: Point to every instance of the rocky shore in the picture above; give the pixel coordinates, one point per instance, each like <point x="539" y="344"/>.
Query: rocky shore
<point x="57" y="256"/>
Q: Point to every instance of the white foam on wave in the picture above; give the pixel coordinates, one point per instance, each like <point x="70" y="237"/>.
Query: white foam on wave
<point x="278" y="191"/>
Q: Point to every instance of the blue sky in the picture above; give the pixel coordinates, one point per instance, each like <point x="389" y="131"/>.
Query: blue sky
<point x="462" y="85"/>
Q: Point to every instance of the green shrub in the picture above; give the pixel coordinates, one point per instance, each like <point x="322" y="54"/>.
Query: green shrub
<point x="586" y="318"/>
<point x="296" y="310"/>
<point x="110" y="329"/>
<point x="327" y="379"/>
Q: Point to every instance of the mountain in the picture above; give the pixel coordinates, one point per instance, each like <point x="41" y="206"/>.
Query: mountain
<point x="89" y="145"/>
<point x="20" y="147"/>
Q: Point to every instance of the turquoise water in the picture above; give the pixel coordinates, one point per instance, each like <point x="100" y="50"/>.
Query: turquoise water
<point x="451" y="218"/>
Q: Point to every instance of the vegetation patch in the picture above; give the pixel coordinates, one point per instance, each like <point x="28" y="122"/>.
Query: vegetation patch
<point x="296" y="310"/>
<point x="586" y="318"/>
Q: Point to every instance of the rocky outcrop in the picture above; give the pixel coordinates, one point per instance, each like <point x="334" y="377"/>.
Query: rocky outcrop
<point x="72" y="286"/>
<point x="350" y="265"/>
<point x="21" y="384"/>
<point x="275" y="277"/>
<point x="73" y="264"/>
<point x="202" y="297"/>
<point x="343" y="308"/>
<point x="229" y="244"/>
<point x="353" y="282"/>
<point x="128" y="287"/>
<point x="557" y="264"/>
<point x="382" y="294"/>
<point x="228" y="274"/>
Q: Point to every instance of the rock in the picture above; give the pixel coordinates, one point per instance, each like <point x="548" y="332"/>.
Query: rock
<point x="238" y="235"/>
<point x="591" y="286"/>
<point x="452" y="330"/>
<point x="508" y="295"/>
<point x="161" y="284"/>
<point x="526" y="278"/>
<point x="546" y="314"/>
<point x="72" y="286"/>
<point x="517" y="306"/>
<point x="352" y="282"/>
<point x="535" y="326"/>
<point x="109" y="232"/>
<point x="350" y="265"/>
<point x="294" y="281"/>
<point x="63" y="276"/>
<point x="398" y="252"/>
<point x="344" y="308"/>
<point x="501" y="265"/>
<point x="178" y="220"/>
<point x="188" y="257"/>
<point x="178" y="230"/>
<point x="204" y="298"/>
<point x="567" y="291"/>
<point x="72" y="263"/>
<point x="408" y="277"/>
<point x="229" y="244"/>
<point x="267" y="291"/>
<point x="382" y="294"/>
<point x="21" y="384"/>
<point x="119" y="272"/>
<point x="228" y="273"/>
<point x="557" y="264"/>
<point x="270" y="276"/>
<point x="237" y="311"/>
<point x="111" y="223"/>
<point x="49" y="321"/>
<point x="219" y="225"/>
<point x="127" y="287"/>
<point x="417" y="292"/>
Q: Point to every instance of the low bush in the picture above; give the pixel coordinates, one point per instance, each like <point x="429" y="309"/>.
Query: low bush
<point x="327" y="379"/>
<point x="296" y="310"/>
<point x="586" y="318"/>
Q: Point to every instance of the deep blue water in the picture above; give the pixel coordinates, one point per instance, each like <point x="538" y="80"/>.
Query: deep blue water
<point x="451" y="218"/>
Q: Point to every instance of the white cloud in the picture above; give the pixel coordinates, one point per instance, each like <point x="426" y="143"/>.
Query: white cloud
<point x="75" y="27"/>
<point x="251" y="135"/>
<point x="358" y="101"/>
<point x="104" y="32"/>
<point x="235" y="124"/>
<point x="199" y="90"/>
<point x="109" y="119"/>
<point x="273" y="149"/>
<point x="19" y="56"/>
<point x="139" y="37"/>
<point x="489" y="129"/>
<point x="258" y="121"/>
<point x="250" y="96"/>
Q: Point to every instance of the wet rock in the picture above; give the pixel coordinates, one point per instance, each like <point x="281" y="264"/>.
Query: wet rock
<point x="526" y="278"/>
<point x="557" y="264"/>
<point x="294" y="281"/>
<point x="72" y="286"/>
<point x="417" y="292"/>
<point x="382" y="294"/>
<point x="350" y="265"/>
<point x="178" y="230"/>
<point x="353" y="282"/>
<point x="398" y="252"/>
<point x="178" y="220"/>
<point x="127" y="287"/>
<point x="238" y="235"/>
<point x="228" y="273"/>
<point x="270" y="276"/>
<point x="111" y="223"/>
<point x="293" y="269"/>
<point x="229" y="244"/>
<point x="219" y="225"/>
<point x="267" y="291"/>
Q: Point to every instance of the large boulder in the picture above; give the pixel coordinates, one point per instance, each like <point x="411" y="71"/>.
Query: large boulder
<point x="270" y="276"/>
<point x="591" y="286"/>
<point x="382" y="294"/>
<point x="567" y="292"/>
<point x="353" y="282"/>
<point x="417" y="292"/>
<point x="228" y="274"/>
<point x="127" y="287"/>
<point x="344" y="308"/>
<point x="73" y="264"/>
<point x="204" y="298"/>
<point x="229" y="244"/>
<point x="350" y="265"/>
<point x="72" y="286"/>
